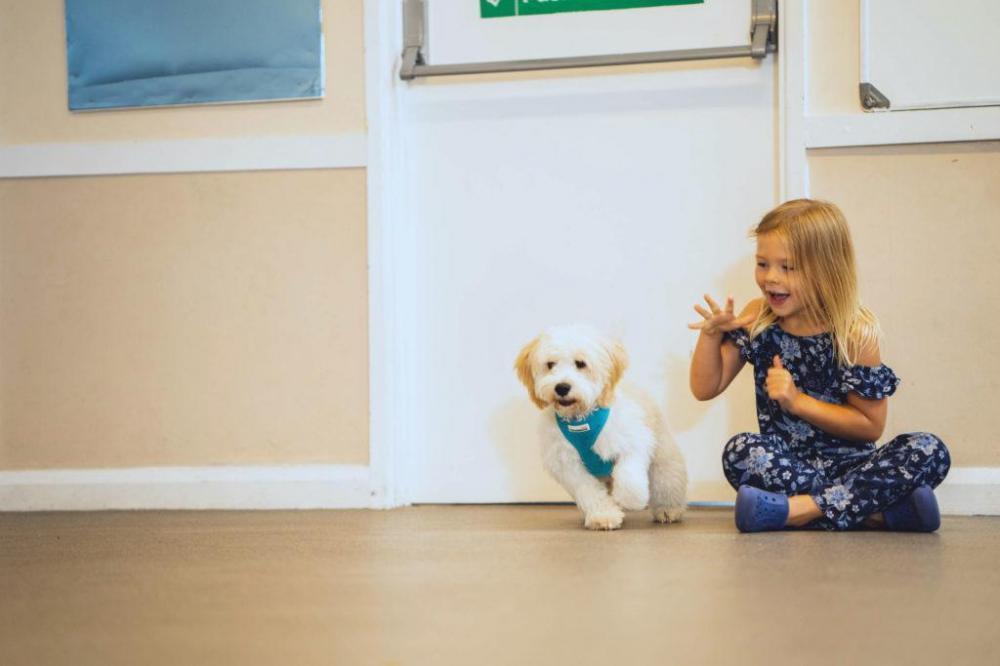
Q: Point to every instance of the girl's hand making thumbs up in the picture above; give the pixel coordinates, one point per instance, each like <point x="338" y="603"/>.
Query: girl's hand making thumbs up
<point x="780" y="386"/>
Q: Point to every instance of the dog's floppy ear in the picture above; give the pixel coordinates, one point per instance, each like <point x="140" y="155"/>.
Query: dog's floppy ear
<point x="523" y="367"/>
<point x="619" y="361"/>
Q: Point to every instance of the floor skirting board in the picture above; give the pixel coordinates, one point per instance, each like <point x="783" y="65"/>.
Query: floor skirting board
<point x="223" y="487"/>
<point x="967" y="491"/>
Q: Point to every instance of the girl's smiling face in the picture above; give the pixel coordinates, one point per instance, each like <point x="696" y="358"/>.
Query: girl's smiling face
<point x="778" y="279"/>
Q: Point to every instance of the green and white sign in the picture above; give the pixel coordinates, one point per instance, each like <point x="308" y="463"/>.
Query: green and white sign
<point x="502" y="8"/>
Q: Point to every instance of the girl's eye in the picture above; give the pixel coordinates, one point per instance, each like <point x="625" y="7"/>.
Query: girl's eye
<point x="581" y="365"/>
<point x="761" y="264"/>
<point x="550" y="365"/>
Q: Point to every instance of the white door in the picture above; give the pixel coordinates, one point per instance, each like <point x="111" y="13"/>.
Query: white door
<point x="614" y="197"/>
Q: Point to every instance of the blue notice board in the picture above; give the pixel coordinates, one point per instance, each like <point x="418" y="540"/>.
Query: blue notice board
<point x="129" y="53"/>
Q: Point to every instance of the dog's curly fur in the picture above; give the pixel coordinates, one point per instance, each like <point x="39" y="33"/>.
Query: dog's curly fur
<point x="648" y="470"/>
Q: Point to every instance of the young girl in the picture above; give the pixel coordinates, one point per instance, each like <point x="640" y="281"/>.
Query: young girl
<point x="821" y="390"/>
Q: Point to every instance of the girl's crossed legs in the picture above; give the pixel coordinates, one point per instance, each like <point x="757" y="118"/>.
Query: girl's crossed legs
<point x="846" y="488"/>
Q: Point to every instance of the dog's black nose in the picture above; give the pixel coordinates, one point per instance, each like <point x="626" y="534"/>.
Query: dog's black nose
<point x="562" y="390"/>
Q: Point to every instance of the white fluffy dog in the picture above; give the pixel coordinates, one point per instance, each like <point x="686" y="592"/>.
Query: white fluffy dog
<point x="572" y="374"/>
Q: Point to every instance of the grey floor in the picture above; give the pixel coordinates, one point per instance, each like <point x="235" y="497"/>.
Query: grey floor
<point x="487" y="585"/>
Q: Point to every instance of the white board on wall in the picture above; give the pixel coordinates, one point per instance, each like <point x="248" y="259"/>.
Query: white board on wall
<point x="457" y="34"/>
<point x="927" y="54"/>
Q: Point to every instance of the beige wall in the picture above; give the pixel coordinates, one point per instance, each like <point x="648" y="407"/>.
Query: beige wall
<point x="33" y="105"/>
<point x="187" y="319"/>
<point x="926" y="221"/>
<point x="183" y="320"/>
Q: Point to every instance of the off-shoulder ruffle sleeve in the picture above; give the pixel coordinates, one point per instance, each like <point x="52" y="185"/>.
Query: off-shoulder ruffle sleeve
<point x="741" y="339"/>
<point x="872" y="382"/>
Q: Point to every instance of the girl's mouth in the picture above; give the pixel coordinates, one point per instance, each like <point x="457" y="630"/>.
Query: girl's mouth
<point x="776" y="299"/>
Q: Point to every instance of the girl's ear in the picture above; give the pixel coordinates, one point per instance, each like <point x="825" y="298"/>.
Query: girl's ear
<point x="523" y="367"/>
<point x="619" y="361"/>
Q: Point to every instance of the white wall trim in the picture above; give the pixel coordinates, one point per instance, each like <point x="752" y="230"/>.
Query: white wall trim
<point x="391" y="343"/>
<point x="902" y="127"/>
<point x="967" y="490"/>
<point x="970" y="491"/>
<point x="279" y="487"/>
<point x="184" y="156"/>
<point x="793" y="35"/>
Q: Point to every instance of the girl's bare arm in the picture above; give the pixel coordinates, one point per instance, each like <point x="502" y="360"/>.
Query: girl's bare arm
<point x="716" y="362"/>
<point x="860" y="419"/>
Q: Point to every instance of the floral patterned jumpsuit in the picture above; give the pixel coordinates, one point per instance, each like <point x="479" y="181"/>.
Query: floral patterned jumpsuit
<point x="848" y="479"/>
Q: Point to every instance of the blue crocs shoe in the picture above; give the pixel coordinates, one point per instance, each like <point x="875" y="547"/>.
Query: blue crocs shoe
<point x="758" y="510"/>
<point x="917" y="512"/>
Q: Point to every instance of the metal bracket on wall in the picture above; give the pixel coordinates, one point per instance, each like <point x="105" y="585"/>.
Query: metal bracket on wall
<point x="872" y="98"/>
<point x="763" y="40"/>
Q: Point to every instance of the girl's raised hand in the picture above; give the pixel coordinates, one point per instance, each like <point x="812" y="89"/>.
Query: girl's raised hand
<point x="719" y="320"/>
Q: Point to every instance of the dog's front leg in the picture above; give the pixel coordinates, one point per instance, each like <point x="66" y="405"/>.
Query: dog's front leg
<point x="630" y="488"/>
<point x="600" y="512"/>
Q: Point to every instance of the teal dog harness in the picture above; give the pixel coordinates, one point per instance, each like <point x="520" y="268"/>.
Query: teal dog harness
<point x="582" y="434"/>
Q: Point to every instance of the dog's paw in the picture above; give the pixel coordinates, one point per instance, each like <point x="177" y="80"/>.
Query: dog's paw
<point x="663" y="514"/>
<point x="608" y="519"/>
<point x="629" y="498"/>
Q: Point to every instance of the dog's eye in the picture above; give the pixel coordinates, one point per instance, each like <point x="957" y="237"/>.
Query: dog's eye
<point x="581" y="365"/>
<point x="550" y="365"/>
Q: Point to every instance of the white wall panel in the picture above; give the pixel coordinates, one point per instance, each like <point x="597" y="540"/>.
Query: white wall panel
<point x="615" y="199"/>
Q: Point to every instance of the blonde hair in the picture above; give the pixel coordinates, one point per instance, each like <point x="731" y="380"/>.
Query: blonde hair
<point x="819" y="242"/>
